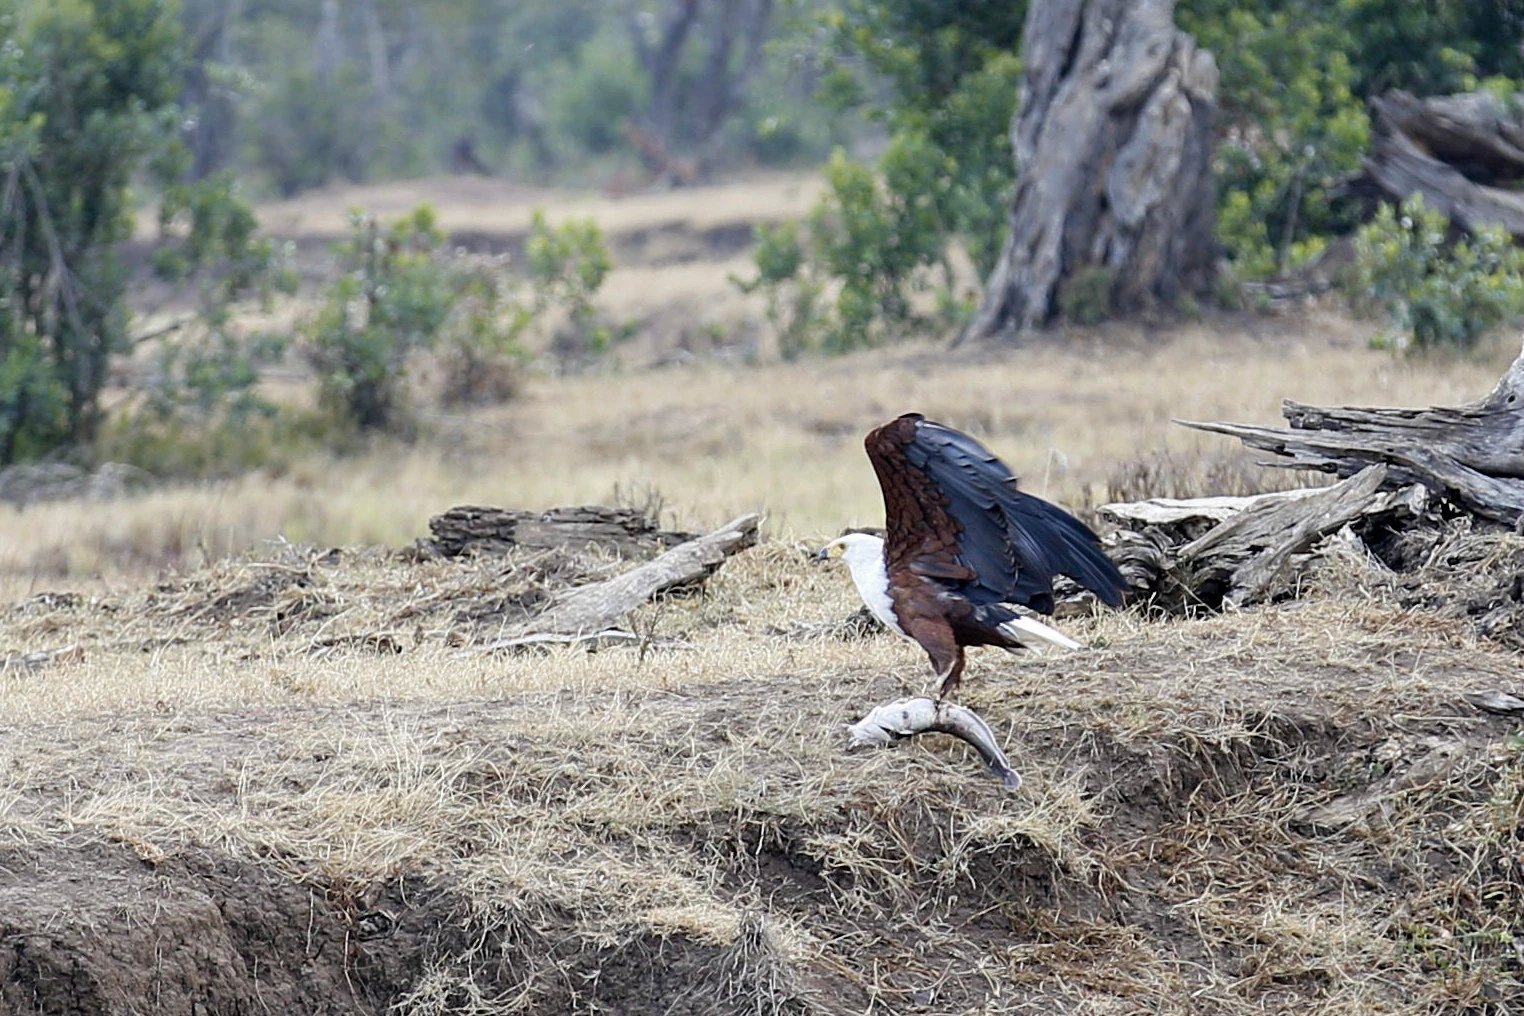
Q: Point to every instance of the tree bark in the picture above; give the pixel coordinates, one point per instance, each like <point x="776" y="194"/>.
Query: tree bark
<point x="470" y="529"/>
<point x="1113" y="142"/>
<point x="1232" y="551"/>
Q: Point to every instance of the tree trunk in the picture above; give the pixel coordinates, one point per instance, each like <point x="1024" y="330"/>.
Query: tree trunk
<point x="1113" y="144"/>
<point x="687" y="109"/>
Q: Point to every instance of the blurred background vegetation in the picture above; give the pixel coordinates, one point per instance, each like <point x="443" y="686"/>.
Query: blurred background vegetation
<point x="116" y="110"/>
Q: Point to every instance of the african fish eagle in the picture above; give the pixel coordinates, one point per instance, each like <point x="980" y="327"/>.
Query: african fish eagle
<point x="963" y="547"/>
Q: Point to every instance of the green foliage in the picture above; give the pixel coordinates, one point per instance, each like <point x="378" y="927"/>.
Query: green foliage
<point x="403" y="292"/>
<point x="1086" y="298"/>
<point x="791" y="290"/>
<point x="1295" y="127"/>
<point x="309" y="131"/>
<point x="592" y="94"/>
<point x="883" y="233"/>
<point x="393" y="298"/>
<point x="923" y="49"/>
<point x="198" y="408"/>
<point x="1434" y="291"/>
<point x="1433" y="47"/>
<point x="179" y="446"/>
<point x="567" y="266"/>
<point x="870" y="239"/>
<point x="87" y="91"/>
<point x="1296" y="75"/>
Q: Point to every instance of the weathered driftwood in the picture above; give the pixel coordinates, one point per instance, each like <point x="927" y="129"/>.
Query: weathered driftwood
<point x="1253" y="551"/>
<point x="1472" y="454"/>
<point x="599" y="606"/>
<point x="483" y="530"/>
<point x="28" y="662"/>
<point x="1112" y="145"/>
<point x="1249" y="552"/>
<point x="1170" y="511"/>
<point x="1461" y="152"/>
<point x="586" y="640"/>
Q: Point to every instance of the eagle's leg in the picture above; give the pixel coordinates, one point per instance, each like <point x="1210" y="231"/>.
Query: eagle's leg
<point x="935" y="635"/>
<point x="950" y="675"/>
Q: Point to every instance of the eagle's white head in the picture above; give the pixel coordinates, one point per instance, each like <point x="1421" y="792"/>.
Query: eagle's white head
<point x="864" y="555"/>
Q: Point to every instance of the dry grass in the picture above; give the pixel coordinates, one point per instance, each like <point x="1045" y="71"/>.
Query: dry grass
<point x="1288" y="807"/>
<point x="478" y="205"/>
<point x="714" y="440"/>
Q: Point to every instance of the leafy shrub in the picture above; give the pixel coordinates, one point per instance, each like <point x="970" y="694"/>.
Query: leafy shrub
<point x="204" y="368"/>
<point x="1436" y="292"/>
<point x="403" y="292"/>
<point x="883" y="233"/>
<point x="791" y="290"/>
<point x="567" y="266"/>
<point x="1295" y="129"/>
<point x="400" y="291"/>
<point x="87" y="95"/>
<point x="1086" y="298"/>
<point x="875" y="238"/>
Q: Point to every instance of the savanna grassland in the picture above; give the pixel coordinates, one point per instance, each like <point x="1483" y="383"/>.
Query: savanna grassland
<point x="263" y="771"/>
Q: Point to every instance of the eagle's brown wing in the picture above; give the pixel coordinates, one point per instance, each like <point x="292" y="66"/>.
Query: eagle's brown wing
<point x="919" y="532"/>
<point x="953" y="511"/>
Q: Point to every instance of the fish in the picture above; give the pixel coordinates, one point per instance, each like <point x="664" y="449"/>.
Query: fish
<point x="907" y="717"/>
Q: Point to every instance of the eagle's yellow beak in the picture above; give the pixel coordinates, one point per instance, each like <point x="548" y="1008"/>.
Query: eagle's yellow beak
<point x="830" y="552"/>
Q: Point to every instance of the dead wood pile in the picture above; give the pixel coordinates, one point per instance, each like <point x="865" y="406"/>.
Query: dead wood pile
<point x="1431" y="499"/>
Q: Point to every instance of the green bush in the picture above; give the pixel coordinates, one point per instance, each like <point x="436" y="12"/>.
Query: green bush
<point x="87" y="95"/>
<point x="790" y="288"/>
<point x="943" y="78"/>
<point x="567" y="266"/>
<point x="1086" y="298"/>
<point x="397" y="294"/>
<point x="403" y="292"/>
<point x="205" y="367"/>
<point x="1436" y="292"/>
<point x="1295" y="129"/>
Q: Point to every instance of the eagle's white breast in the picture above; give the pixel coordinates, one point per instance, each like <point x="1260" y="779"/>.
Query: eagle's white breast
<point x="864" y="555"/>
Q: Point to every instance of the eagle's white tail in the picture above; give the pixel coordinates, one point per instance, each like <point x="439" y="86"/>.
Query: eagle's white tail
<point x="1025" y="629"/>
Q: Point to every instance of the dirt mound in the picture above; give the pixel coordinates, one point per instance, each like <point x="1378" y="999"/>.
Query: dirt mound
<point x="96" y="929"/>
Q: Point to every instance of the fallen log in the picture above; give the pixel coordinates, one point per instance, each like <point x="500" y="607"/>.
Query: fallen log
<point x="599" y="606"/>
<point x="1255" y="548"/>
<point x="1472" y="454"/>
<point x="1247" y="554"/>
<point x="1401" y="469"/>
<point x="1461" y="152"/>
<point x="473" y="529"/>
